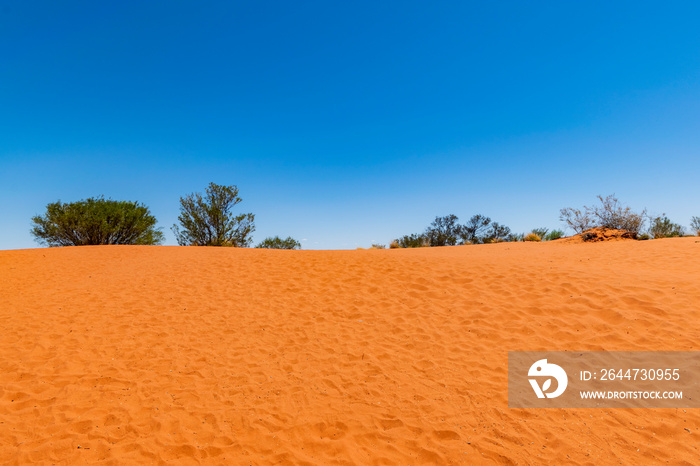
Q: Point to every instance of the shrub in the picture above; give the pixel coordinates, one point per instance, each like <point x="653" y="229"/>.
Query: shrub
<point x="662" y="227"/>
<point x="513" y="237"/>
<point x="472" y="231"/>
<point x="609" y="214"/>
<point x="695" y="225"/>
<point x="413" y="241"/>
<point x="497" y="233"/>
<point x="96" y="221"/>
<point x="209" y="221"/>
<point x="643" y="237"/>
<point x="532" y="237"/>
<point x="541" y="232"/>
<point x="394" y="244"/>
<point x="444" y="231"/>
<point x="378" y="246"/>
<point x="576" y="219"/>
<point x="279" y="243"/>
<point x="554" y="234"/>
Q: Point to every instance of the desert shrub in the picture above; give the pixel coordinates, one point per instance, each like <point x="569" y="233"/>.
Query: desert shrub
<point x="695" y="225"/>
<point x="394" y="244"/>
<point x="576" y="219"/>
<point x="473" y="231"/>
<point x="444" y="231"/>
<point x="663" y="227"/>
<point x="209" y="220"/>
<point x="279" y="243"/>
<point x="413" y="241"/>
<point x="643" y="237"/>
<point x="532" y="237"/>
<point x="497" y="233"/>
<point x="96" y="221"/>
<point x="541" y="232"/>
<point x="513" y="237"/>
<point x="552" y="235"/>
<point x="378" y="246"/>
<point x="609" y="214"/>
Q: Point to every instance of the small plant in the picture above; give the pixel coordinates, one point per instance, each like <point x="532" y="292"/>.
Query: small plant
<point x="541" y="232"/>
<point x="497" y="233"/>
<point x="444" y="231"/>
<point x="472" y="232"/>
<point x="378" y="246"/>
<point x="643" y="237"/>
<point x="413" y="241"/>
<point x="609" y="214"/>
<point x="279" y="243"/>
<point x="662" y="227"/>
<point x="554" y="234"/>
<point x="513" y="237"/>
<point x="96" y="221"/>
<point x="532" y="237"/>
<point x="695" y="225"/>
<point x="209" y="220"/>
<point x="576" y="219"/>
<point x="394" y="245"/>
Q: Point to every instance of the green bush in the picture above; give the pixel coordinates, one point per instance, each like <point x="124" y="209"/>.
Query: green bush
<point x="413" y="241"/>
<point x="662" y="227"/>
<point x="643" y="237"/>
<point x="541" y="232"/>
<point x="279" y="243"/>
<point x="473" y="231"/>
<point x="497" y="233"/>
<point x="695" y="225"/>
<point x="513" y="237"/>
<point x="209" y="221"/>
<point x="554" y="234"/>
<point x="96" y="221"/>
<point x="444" y="231"/>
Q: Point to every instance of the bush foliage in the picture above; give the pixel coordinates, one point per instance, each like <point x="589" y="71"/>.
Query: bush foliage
<point x="96" y="221"/>
<point x="662" y="227"/>
<point x="446" y="231"/>
<point x="609" y="214"/>
<point x="472" y="232"/>
<point x="209" y="220"/>
<point x="413" y="241"/>
<point x="279" y="243"/>
<point x="552" y="235"/>
<point x="695" y="225"/>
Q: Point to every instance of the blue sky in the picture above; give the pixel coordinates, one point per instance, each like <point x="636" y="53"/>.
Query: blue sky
<point x="348" y="123"/>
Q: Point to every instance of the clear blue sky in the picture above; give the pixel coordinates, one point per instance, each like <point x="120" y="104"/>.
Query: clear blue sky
<point x="346" y="123"/>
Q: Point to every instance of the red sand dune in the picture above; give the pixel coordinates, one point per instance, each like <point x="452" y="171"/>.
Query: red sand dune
<point x="123" y="354"/>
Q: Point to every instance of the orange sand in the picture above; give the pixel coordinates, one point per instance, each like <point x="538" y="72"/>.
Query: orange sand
<point x="194" y="355"/>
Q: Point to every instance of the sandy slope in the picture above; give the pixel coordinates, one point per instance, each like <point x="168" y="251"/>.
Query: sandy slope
<point x="165" y="354"/>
